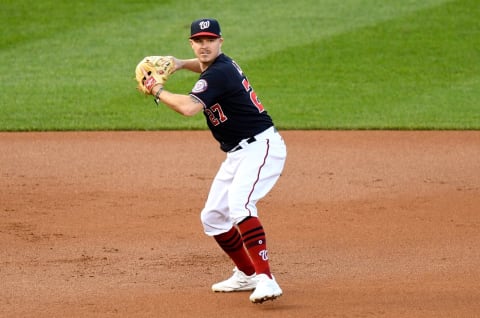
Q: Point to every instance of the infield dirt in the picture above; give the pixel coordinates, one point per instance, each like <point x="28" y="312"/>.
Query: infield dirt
<point x="361" y="224"/>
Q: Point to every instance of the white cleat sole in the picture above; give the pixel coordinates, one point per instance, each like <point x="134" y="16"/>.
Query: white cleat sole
<point x="264" y="299"/>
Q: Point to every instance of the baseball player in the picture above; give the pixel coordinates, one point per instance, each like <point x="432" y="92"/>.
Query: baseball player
<point x="255" y="155"/>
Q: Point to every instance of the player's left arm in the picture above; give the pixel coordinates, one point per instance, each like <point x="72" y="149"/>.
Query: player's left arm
<point x="186" y="105"/>
<point x="152" y="73"/>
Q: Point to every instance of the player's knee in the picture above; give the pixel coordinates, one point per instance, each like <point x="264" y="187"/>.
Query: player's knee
<point x="240" y="212"/>
<point x="215" y="223"/>
<point x="205" y="217"/>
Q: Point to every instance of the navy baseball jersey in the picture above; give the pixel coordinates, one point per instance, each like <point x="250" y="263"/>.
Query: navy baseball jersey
<point x="231" y="106"/>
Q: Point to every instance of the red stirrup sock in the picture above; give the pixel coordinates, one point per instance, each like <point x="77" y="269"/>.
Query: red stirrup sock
<point x="254" y="240"/>
<point x="232" y="244"/>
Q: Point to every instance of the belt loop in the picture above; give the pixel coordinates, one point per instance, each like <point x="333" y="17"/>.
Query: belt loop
<point x="242" y="144"/>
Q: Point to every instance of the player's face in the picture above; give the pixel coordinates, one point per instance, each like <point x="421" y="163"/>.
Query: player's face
<point x="206" y="48"/>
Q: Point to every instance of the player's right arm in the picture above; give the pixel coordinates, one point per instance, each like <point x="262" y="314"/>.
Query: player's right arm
<point x="189" y="64"/>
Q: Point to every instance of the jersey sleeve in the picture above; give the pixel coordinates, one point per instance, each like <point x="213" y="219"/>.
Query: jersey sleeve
<point x="209" y="87"/>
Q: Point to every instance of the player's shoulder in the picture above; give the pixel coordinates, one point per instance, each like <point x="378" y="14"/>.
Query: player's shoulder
<point x="223" y="58"/>
<point x="228" y="65"/>
<point x="222" y="62"/>
<point x="223" y="67"/>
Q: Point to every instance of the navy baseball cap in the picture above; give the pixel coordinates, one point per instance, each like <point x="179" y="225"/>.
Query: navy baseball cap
<point x="205" y="27"/>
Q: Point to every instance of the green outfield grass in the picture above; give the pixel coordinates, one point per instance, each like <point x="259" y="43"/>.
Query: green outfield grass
<point x="316" y="64"/>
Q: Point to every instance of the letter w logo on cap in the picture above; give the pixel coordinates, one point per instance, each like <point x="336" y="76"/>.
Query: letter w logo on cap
<point x="204" y="25"/>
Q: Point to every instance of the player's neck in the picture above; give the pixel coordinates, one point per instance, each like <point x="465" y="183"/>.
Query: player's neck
<point x="205" y="65"/>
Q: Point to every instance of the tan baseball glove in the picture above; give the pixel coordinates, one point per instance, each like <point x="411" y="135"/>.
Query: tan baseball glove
<point x="153" y="71"/>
